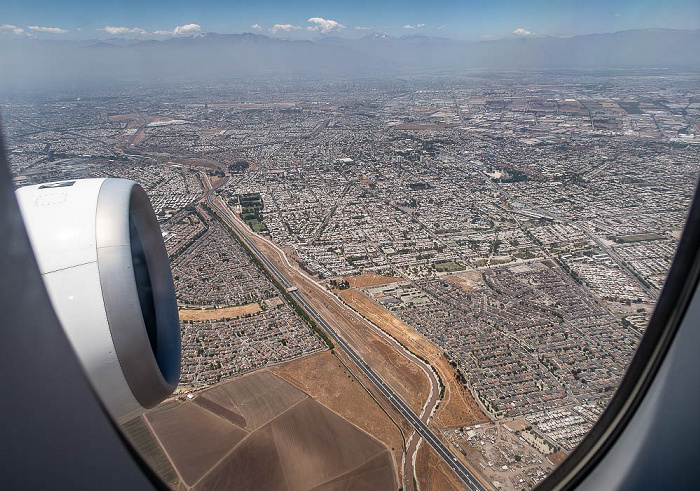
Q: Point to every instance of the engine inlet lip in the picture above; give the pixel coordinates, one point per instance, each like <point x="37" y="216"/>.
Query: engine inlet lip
<point x="137" y="290"/>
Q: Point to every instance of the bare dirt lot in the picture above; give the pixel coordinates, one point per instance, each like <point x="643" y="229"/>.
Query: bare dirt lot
<point x="557" y="458"/>
<point x="432" y="472"/>
<point x="324" y="378"/>
<point x="370" y="279"/>
<point x="458" y="407"/>
<point x="468" y="281"/>
<point x="219" y="314"/>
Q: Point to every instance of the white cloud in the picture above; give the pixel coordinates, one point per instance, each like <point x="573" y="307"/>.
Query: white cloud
<point x="179" y="30"/>
<point x="618" y="14"/>
<point x="256" y="27"/>
<point x="488" y="36"/>
<point x="52" y="30"/>
<point x="362" y="28"/>
<point x="6" y="28"/>
<point x="284" y="28"/>
<point x="120" y="31"/>
<point x="522" y="32"/>
<point x="417" y="26"/>
<point x="324" y="26"/>
<point x="187" y="29"/>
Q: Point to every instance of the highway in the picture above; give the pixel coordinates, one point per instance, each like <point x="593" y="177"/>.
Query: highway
<point x="420" y="427"/>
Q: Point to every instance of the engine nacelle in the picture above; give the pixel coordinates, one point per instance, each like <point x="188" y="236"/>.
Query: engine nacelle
<point x="101" y="255"/>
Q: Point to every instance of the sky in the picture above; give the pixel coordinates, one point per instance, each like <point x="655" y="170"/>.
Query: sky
<point x="454" y="19"/>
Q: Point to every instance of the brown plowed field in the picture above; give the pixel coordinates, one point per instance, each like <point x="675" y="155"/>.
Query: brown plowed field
<point x="301" y="445"/>
<point x="194" y="438"/>
<point x="303" y="448"/>
<point x="458" y="407"/>
<point x="258" y="397"/>
<point x="324" y="378"/>
<point x="218" y="314"/>
<point x="254" y="465"/>
<point x="221" y="411"/>
<point x="369" y="476"/>
<point x="328" y="448"/>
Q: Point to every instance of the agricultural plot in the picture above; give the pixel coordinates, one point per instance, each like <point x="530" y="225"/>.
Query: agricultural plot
<point x="290" y="441"/>
<point x="303" y="448"/>
<point x="257" y="397"/>
<point x="194" y="438"/>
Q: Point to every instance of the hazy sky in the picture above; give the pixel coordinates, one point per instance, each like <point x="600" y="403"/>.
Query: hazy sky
<point x="461" y="19"/>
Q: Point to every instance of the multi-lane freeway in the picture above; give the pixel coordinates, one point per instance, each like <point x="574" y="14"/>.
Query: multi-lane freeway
<point x="421" y="428"/>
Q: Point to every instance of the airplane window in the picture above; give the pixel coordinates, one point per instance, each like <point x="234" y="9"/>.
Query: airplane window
<point x="412" y="246"/>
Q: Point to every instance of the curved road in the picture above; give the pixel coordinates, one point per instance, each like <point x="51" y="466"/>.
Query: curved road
<point x="420" y="427"/>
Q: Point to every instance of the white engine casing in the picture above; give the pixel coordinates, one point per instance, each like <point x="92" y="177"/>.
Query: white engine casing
<point x="101" y="254"/>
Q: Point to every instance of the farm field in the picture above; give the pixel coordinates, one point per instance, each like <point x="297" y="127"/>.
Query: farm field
<point x="194" y="438"/>
<point x="145" y="442"/>
<point x="326" y="379"/>
<point x="261" y="432"/>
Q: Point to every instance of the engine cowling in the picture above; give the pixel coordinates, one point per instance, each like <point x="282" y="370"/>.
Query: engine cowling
<point x="101" y="255"/>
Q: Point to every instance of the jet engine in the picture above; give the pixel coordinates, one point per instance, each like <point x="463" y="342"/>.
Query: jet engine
<point x="102" y="258"/>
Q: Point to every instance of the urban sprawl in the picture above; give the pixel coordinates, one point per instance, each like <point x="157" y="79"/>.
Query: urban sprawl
<point x="528" y="220"/>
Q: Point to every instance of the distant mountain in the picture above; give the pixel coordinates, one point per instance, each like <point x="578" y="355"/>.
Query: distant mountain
<point x="210" y="56"/>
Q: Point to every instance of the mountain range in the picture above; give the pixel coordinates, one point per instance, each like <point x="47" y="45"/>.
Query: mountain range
<point x="211" y="56"/>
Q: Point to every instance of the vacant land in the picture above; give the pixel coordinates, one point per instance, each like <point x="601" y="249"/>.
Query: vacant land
<point x="466" y="281"/>
<point x="290" y="441"/>
<point x="625" y="239"/>
<point x="557" y="458"/>
<point x="219" y="314"/>
<point x="370" y="279"/>
<point x="432" y="473"/>
<point x="324" y="378"/>
<point x="458" y="407"/>
<point x="448" y="266"/>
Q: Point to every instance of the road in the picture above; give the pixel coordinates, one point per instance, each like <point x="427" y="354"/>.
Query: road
<point x="420" y="427"/>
